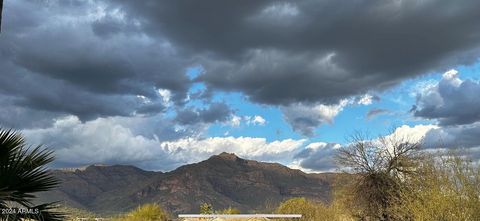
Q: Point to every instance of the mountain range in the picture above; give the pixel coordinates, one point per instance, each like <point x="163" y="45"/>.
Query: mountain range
<point x="223" y="180"/>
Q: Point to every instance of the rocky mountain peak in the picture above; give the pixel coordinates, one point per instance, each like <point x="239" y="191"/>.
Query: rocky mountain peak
<point x="228" y="156"/>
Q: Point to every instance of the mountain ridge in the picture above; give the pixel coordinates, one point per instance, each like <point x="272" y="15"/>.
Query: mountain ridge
<point x="223" y="180"/>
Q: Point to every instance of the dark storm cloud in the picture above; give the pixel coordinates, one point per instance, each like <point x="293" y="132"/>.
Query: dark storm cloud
<point x="452" y="101"/>
<point x="65" y="57"/>
<point x="318" y="156"/>
<point x="14" y="116"/>
<point x="26" y="91"/>
<point x="279" y="52"/>
<point x="216" y="112"/>
<point x="109" y="27"/>
<point x="461" y="136"/>
<point x="94" y="58"/>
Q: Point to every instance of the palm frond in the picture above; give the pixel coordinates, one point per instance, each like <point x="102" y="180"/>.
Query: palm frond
<point x="22" y="174"/>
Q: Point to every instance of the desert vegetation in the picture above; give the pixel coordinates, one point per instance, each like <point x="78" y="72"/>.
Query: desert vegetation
<point x="22" y="174"/>
<point x="147" y="212"/>
<point x="311" y="210"/>
<point x="391" y="178"/>
<point x="207" y="208"/>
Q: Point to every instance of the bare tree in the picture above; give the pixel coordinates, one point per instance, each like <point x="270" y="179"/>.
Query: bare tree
<point x="384" y="167"/>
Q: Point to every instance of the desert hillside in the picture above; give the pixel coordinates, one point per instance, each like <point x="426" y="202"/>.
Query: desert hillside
<point x="223" y="180"/>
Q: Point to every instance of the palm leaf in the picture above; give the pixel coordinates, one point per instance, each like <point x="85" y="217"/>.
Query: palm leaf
<point x="22" y="174"/>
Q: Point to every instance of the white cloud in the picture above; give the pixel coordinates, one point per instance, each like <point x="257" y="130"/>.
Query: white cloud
<point x="259" y="120"/>
<point x="411" y="134"/>
<point x="99" y="141"/>
<point x="166" y="96"/>
<point x="367" y="99"/>
<point x="296" y="164"/>
<point x="450" y="101"/>
<point x="281" y="10"/>
<point x="440" y="138"/>
<point x="133" y="141"/>
<point x="306" y="118"/>
<point x="422" y="87"/>
<point x="452" y="77"/>
<point x="255" y="120"/>
<point x="144" y="99"/>
<point x="193" y="150"/>
<point x="235" y="121"/>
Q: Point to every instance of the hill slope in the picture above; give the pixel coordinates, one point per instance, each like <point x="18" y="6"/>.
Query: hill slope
<point x="223" y="180"/>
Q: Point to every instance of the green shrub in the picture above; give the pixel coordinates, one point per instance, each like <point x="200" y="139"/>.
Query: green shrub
<point x="206" y="208"/>
<point x="447" y="190"/>
<point x="147" y="212"/>
<point x="313" y="211"/>
<point x="298" y="206"/>
<point x="228" y="210"/>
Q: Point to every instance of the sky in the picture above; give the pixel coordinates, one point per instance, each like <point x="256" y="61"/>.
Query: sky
<point x="160" y="84"/>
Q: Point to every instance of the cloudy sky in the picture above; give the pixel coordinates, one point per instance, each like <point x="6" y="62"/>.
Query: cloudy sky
<point x="159" y="84"/>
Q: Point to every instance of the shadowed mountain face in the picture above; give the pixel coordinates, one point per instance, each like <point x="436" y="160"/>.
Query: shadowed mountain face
<point x="223" y="180"/>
